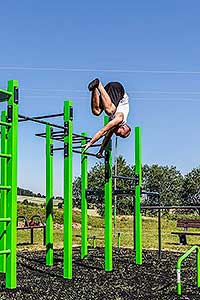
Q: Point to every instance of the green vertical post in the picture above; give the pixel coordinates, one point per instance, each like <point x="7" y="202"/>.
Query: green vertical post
<point x="84" y="217"/>
<point x="138" y="215"/>
<point x="115" y="187"/>
<point x="108" y="205"/>
<point x="49" y="196"/>
<point x="68" y="117"/>
<point x="11" y="209"/>
<point x="3" y="193"/>
<point x="198" y="267"/>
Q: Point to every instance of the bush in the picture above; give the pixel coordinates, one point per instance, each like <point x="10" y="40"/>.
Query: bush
<point x="25" y="202"/>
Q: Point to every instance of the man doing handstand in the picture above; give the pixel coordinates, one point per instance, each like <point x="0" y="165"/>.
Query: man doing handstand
<point x="113" y="100"/>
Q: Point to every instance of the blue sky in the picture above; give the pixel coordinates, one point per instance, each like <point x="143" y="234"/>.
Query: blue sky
<point x="54" y="48"/>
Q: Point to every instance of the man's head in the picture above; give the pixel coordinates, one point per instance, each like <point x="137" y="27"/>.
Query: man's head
<point x="123" y="131"/>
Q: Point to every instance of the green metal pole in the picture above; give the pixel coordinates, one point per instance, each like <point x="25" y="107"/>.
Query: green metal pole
<point x="115" y="187"/>
<point x="198" y="267"/>
<point x="138" y="215"/>
<point x="84" y="217"/>
<point x="11" y="209"/>
<point x="178" y="268"/>
<point x="3" y="194"/>
<point x="108" y="205"/>
<point x="178" y="272"/>
<point x="68" y="117"/>
<point x="49" y="196"/>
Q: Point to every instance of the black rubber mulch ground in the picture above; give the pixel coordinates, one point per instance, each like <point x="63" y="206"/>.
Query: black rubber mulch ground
<point x="155" y="279"/>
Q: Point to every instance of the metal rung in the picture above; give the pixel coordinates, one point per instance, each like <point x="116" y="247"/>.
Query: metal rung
<point x="4" y="95"/>
<point x="5" y="219"/>
<point x="3" y="187"/>
<point x="5" y="252"/>
<point x="123" y="192"/>
<point x="5" y="123"/>
<point x="5" y="155"/>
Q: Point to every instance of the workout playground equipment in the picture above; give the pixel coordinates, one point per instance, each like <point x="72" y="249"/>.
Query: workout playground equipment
<point x="35" y="222"/>
<point x="179" y="264"/>
<point x="71" y="142"/>
<point x="8" y="187"/>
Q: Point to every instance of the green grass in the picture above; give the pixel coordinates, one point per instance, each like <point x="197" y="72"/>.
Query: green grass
<point x="96" y="227"/>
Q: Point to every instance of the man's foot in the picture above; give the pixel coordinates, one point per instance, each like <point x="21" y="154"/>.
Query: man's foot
<point x="93" y="84"/>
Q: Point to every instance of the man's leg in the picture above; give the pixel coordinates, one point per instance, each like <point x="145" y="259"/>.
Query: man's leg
<point x="108" y="106"/>
<point x="96" y="104"/>
<point x="102" y="101"/>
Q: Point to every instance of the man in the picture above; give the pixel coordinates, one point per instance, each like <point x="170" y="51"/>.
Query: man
<point x="113" y="100"/>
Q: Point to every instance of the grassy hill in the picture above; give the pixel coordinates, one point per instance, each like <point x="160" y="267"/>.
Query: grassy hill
<point x="96" y="227"/>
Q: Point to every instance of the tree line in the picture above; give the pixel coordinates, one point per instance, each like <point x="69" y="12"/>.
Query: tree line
<point x="174" y="188"/>
<point x="26" y="192"/>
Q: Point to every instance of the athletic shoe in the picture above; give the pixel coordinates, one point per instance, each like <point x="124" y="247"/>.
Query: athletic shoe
<point x="93" y="84"/>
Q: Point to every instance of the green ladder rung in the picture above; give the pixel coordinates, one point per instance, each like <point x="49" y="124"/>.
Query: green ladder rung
<point x="5" y="124"/>
<point x="3" y="155"/>
<point x="4" y="187"/>
<point x="4" y="95"/>
<point x="5" y="219"/>
<point x="2" y="252"/>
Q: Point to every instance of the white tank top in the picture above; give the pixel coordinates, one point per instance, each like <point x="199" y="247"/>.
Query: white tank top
<point x="123" y="107"/>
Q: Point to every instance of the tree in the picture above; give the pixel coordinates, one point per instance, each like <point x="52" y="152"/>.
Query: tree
<point x="96" y="182"/>
<point x="191" y="188"/>
<point x="165" y="180"/>
<point x="76" y="188"/>
<point x="124" y="203"/>
<point x="162" y="179"/>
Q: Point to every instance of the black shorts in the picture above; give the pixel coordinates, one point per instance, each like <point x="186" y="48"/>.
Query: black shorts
<point x="116" y="92"/>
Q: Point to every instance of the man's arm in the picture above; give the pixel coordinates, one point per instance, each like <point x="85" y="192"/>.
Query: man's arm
<point x="111" y="125"/>
<point x="104" y="143"/>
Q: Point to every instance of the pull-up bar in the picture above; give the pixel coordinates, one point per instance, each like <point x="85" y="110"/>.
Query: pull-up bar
<point x="149" y="193"/>
<point x="59" y="135"/>
<point x="86" y="153"/>
<point x="49" y="116"/>
<point x="75" y="151"/>
<point x="108" y="192"/>
<point x="92" y="146"/>
<point x="25" y="118"/>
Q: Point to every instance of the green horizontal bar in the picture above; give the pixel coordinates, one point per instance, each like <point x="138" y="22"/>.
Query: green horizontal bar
<point x="5" y="155"/>
<point x="5" y="123"/>
<point x="4" y="95"/>
<point x="3" y="187"/>
<point x="2" y="252"/>
<point x="5" y="219"/>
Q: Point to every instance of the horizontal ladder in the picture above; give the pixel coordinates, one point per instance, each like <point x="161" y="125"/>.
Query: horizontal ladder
<point x="6" y="220"/>
<point x="4" y="95"/>
<point x="5" y="123"/>
<point x="3" y="155"/>
<point x="4" y="187"/>
<point x="3" y="252"/>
